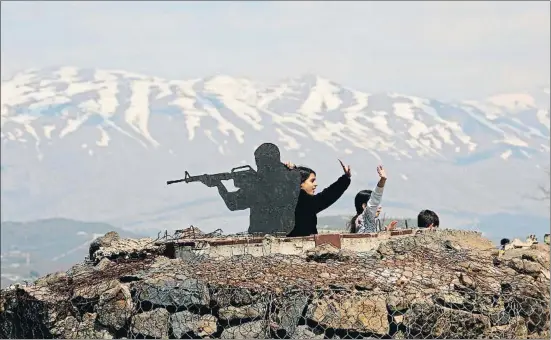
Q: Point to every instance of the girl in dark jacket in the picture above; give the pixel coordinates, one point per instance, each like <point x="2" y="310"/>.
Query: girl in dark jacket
<point x="310" y="204"/>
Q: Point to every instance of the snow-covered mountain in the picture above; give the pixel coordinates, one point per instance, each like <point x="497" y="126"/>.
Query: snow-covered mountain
<point x="101" y="143"/>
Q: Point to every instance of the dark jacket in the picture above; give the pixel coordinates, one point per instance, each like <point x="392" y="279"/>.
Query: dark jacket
<point x="308" y="206"/>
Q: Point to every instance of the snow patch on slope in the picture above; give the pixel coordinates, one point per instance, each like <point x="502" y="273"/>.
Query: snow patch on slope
<point x="400" y="127"/>
<point x="323" y="96"/>
<point x="506" y="154"/>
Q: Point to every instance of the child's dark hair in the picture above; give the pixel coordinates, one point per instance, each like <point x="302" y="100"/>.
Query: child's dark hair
<point x="361" y="198"/>
<point x="503" y="243"/>
<point x="304" y="173"/>
<point x="426" y="218"/>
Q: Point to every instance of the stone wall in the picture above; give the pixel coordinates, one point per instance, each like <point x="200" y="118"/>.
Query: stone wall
<point x="216" y="247"/>
<point x="443" y="284"/>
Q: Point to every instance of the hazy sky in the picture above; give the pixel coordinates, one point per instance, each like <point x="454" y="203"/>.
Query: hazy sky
<point x="437" y="49"/>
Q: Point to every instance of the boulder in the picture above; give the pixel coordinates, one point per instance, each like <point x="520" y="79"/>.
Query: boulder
<point x="254" y="311"/>
<point x="33" y="311"/>
<point x="71" y="328"/>
<point x="234" y="296"/>
<point x="289" y="308"/>
<point x="177" y="291"/>
<point x="188" y="324"/>
<point x="400" y="300"/>
<point x="249" y="330"/>
<point x="115" y="307"/>
<point x="154" y="323"/>
<point x="103" y="242"/>
<point x="110" y="246"/>
<point x="515" y="328"/>
<point x="104" y="264"/>
<point x="94" y="290"/>
<point x="428" y="320"/>
<point x="304" y="332"/>
<point x="361" y="312"/>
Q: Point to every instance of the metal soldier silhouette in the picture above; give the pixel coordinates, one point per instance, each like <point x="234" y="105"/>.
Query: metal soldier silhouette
<point x="271" y="192"/>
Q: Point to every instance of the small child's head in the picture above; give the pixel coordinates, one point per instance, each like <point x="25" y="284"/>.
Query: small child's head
<point x="428" y="219"/>
<point x="360" y="201"/>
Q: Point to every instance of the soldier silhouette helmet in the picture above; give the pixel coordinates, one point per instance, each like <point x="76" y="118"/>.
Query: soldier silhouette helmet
<point x="267" y="155"/>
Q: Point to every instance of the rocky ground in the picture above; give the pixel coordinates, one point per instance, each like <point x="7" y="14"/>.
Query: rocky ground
<point x="434" y="285"/>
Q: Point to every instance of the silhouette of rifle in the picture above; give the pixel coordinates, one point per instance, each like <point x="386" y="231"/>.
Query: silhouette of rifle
<point x="240" y="175"/>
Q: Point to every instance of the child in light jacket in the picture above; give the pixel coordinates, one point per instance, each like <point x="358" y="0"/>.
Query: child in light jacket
<point x="367" y="203"/>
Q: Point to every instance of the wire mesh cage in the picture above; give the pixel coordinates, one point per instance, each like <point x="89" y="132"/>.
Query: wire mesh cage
<point x="413" y="287"/>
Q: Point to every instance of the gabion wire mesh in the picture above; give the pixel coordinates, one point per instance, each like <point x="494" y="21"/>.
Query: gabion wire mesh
<point x="416" y="287"/>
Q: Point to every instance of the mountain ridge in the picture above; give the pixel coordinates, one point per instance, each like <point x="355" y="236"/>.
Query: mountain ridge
<point x="250" y="102"/>
<point x="95" y="144"/>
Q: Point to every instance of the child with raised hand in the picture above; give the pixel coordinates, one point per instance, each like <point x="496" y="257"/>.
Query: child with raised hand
<point x="367" y="203"/>
<point x="311" y="203"/>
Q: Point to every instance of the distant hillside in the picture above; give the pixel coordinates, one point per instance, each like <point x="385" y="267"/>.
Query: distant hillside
<point x="34" y="248"/>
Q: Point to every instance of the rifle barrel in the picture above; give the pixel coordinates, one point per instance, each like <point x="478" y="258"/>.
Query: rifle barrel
<point x="175" y="181"/>
<point x="224" y="176"/>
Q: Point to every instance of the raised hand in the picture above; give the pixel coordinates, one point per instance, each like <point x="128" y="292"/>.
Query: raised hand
<point x="391" y="225"/>
<point x="346" y="169"/>
<point x="290" y="165"/>
<point x="381" y="171"/>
